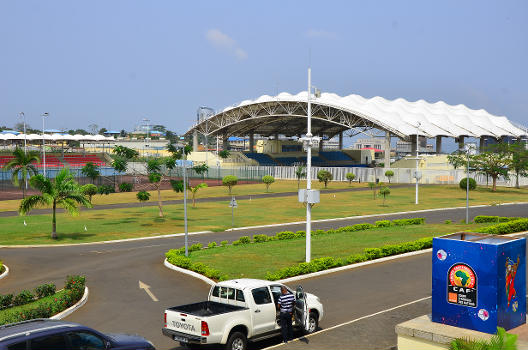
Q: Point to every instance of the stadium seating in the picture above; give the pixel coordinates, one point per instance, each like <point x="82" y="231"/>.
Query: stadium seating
<point x="261" y="158"/>
<point x="288" y="161"/>
<point x="335" y="156"/>
<point x="79" y="160"/>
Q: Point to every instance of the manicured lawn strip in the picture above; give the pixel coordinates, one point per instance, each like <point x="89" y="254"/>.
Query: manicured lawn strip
<point x="279" y="186"/>
<point x="255" y="260"/>
<point x="216" y="216"/>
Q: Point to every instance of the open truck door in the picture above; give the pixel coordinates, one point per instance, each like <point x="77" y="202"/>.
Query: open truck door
<point x="301" y="309"/>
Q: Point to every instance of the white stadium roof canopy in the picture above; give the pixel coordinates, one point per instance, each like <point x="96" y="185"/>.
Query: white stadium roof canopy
<point x="331" y="113"/>
<point x="57" y="137"/>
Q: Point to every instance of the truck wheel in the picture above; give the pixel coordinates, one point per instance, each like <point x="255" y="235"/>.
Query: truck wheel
<point x="313" y="323"/>
<point x="236" y="341"/>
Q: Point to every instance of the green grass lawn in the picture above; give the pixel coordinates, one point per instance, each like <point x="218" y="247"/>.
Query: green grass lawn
<point x="271" y="256"/>
<point x="214" y="191"/>
<point x="216" y="216"/>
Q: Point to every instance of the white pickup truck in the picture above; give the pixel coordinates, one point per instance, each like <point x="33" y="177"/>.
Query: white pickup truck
<point x="238" y="311"/>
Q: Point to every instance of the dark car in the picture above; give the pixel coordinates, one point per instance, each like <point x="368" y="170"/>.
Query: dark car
<point x="46" y="334"/>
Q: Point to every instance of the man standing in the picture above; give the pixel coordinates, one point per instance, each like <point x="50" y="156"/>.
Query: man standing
<point x="286" y="301"/>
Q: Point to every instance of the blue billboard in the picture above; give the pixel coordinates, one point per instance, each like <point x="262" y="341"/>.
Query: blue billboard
<point x="479" y="281"/>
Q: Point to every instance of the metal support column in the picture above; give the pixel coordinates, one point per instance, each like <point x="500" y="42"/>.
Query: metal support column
<point x="438" y="144"/>
<point x="195" y="141"/>
<point x="387" y="149"/>
<point x="252" y="142"/>
<point x="341" y="141"/>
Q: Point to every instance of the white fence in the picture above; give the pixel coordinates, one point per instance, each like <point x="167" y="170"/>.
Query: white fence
<point x="401" y="175"/>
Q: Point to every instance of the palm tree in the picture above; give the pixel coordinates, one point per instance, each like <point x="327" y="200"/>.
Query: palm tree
<point x="21" y="164"/>
<point x="64" y="191"/>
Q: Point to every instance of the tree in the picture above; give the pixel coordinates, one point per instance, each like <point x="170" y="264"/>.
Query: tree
<point x="201" y="169"/>
<point x="22" y="166"/>
<point x="156" y="174"/>
<point x="125" y="152"/>
<point x="224" y="154"/>
<point x="324" y="176"/>
<point x="389" y="174"/>
<point x="300" y="172"/>
<point x="102" y="131"/>
<point x="519" y="160"/>
<point x="268" y="180"/>
<point x="372" y="186"/>
<point x="91" y="170"/>
<point x="143" y="196"/>
<point x="63" y="191"/>
<point x="457" y="159"/>
<point x="89" y="190"/>
<point x="194" y="190"/>
<point x="493" y="162"/>
<point x="384" y="192"/>
<point x="350" y="177"/>
<point x="160" y="128"/>
<point x="230" y="181"/>
<point x="123" y="133"/>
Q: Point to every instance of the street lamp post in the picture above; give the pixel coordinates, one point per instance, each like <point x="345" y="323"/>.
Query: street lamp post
<point x="23" y="116"/>
<point x="470" y="150"/>
<point x="44" y="143"/>
<point x="417" y="173"/>
<point x="185" y="202"/>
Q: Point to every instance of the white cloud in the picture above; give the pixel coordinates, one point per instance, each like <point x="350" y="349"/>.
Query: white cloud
<point x="224" y="42"/>
<point x="320" y="34"/>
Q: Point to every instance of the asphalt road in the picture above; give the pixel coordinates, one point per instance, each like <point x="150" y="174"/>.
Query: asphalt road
<point x="116" y="304"/>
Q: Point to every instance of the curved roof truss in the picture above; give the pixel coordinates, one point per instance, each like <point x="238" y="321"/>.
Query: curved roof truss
<point x="285" y="114"/>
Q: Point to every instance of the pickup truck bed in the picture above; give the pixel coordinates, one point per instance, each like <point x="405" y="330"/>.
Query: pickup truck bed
<point x="206" y="308"/>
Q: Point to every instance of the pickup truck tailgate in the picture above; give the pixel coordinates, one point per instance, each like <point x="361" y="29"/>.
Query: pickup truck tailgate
<point x="183" y="323"/>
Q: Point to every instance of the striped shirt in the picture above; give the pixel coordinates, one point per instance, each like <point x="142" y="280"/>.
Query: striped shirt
<point x="286" y="302"/>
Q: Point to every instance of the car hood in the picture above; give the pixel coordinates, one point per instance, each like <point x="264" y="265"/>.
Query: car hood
<point x="128" y="339"/>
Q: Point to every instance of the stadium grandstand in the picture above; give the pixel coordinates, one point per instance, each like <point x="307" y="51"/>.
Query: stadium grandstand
<point x="268" y="128"/>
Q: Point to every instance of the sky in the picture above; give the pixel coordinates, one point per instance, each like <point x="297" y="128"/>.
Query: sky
<point x="114" y="63"/>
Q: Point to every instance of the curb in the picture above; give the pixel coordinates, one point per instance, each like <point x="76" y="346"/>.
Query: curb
<point x="374" y="215"/>
<point x="72" y="308"/>
<point x="5" y="273"/>
<point x="103" y="242"/>
<point x="189" y="273"/>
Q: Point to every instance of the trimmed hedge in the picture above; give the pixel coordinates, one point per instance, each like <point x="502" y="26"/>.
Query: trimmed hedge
<point x="404" y="222"/>
<point x="486" y="218"/>
<point x="45" y="307"/>
<point x="326" y="263"/>
<point x="518" y="225"/>
<point x="175" y="258"/>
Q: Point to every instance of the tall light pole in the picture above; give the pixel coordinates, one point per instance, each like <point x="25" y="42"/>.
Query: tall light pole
<point x="23" y="116"/>
<point x="470" y="150"/>
<point x="44" y="143"/>
<point x="309" y="196"/>
<point x="417" y="174"/>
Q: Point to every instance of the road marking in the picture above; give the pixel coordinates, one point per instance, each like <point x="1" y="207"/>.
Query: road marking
<point x="146" y="287"/>
<point x="354" y="321"/>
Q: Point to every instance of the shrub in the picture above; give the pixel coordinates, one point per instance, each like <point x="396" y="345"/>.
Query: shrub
<point x="105" y="189"/>
<point x="389" y="174"/>
<point x="324" y="176"/>
<point x="195" y="247"/>
<point x="383" y="223"/>
<point x="486" y="218"/>
<point x="211" y="245"/>
<point x="285" y="235"/>
<point x="6" y="300"/>
<point x="299" y="234"/>
<point x="507" y="227"/>
<point x="260" y="238"/>
<point x="403" y="222"/>
<point x="223" y="243"/>
<point x="143" y="196"/>
<point x="244" y="240"/>
<point x="23" y="297"/>
<point x="472" y="184"/>
<point x="44" y="290"/>
<point x="268" y="180"/>
<point x="230" y="181"/>
<point x="125" y="187"/>
<point x="447" y="222"/>
<point x="89" y="190"/>
<point x="186" y="263"/>
<point x="237" y="242"/>
<point x="350" y="177"/>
